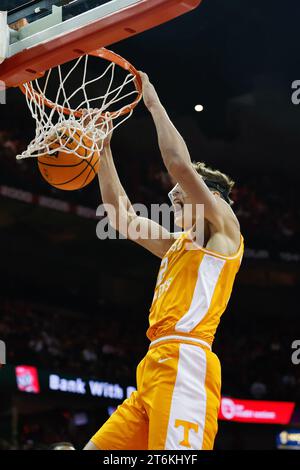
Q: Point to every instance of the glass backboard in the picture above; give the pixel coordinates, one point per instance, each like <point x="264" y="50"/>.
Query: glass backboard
<point x="57" y="31"/>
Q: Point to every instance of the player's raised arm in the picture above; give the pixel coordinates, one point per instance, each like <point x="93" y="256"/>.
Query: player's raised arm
<point x="177" y="159"/>
<point x="121" y="214"/>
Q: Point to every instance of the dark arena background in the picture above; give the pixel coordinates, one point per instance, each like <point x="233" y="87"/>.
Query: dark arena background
<point x="74" y="308"/>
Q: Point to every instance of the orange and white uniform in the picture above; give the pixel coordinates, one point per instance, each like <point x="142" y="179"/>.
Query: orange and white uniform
<point x="179" y="380"/>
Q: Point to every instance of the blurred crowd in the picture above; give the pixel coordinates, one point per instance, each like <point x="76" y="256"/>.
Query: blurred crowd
<point x="265" y="205"/>
<point x="94" y="347"/>
<point x="268" y="213"/>
<point x="256" y="360"/>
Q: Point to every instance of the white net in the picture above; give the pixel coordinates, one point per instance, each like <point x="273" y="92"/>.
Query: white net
<point x="73" y="117"/>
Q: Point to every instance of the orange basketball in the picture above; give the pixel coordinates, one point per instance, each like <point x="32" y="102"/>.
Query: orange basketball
<point x="66" y="170"/>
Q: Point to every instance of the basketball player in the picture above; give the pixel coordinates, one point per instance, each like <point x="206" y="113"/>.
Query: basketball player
<point x="178" y="382"/>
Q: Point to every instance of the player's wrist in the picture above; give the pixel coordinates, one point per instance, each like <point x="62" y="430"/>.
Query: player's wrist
<point x="107" y="151"/>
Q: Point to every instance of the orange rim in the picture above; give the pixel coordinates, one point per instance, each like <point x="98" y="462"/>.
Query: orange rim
<point x="111" y="57"/>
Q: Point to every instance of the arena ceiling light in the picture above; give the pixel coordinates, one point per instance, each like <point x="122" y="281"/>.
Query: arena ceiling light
<point x="198" y="108"/>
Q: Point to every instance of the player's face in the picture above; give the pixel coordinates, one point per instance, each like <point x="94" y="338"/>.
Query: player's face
<point x="182" y="207"/>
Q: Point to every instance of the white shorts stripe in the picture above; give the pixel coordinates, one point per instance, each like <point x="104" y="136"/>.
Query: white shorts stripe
<point x="188" y="399"/>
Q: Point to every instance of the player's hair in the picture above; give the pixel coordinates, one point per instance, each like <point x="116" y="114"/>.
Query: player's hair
<point x="215" y="180"/>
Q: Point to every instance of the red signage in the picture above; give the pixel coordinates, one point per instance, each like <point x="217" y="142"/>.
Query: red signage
<point x="27" y="379"/>
<point x="256" y="411"/>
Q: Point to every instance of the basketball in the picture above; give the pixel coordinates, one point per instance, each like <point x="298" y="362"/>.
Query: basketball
<point x="67" y="170"/>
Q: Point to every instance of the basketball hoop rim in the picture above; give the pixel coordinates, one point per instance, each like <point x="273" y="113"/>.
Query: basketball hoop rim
<point x="110" y="56"/>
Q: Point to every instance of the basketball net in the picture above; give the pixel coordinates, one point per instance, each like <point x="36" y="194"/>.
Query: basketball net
<point x="91" y="121"/>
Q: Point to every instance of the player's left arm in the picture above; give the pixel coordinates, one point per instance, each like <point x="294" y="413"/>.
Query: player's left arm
<point x="177" y="159"/>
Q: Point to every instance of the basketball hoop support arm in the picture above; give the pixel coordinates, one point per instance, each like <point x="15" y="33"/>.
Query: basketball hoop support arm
<point x="106" y="24"/>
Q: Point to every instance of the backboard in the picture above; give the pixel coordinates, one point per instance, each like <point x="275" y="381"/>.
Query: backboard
<point x="59" y="31"/>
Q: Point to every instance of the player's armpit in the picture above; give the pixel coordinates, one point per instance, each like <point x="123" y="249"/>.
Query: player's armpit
<point x="225" y="242"/>
<point x="149" y="234"/>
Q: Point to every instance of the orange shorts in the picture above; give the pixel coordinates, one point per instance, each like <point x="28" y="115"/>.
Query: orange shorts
<point x="175" y="406"/>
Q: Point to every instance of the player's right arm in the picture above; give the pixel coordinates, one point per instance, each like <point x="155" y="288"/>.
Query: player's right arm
<point x="122" y="215"/>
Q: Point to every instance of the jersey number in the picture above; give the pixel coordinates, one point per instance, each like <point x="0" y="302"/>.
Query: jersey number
<point x="162" y="271"/>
